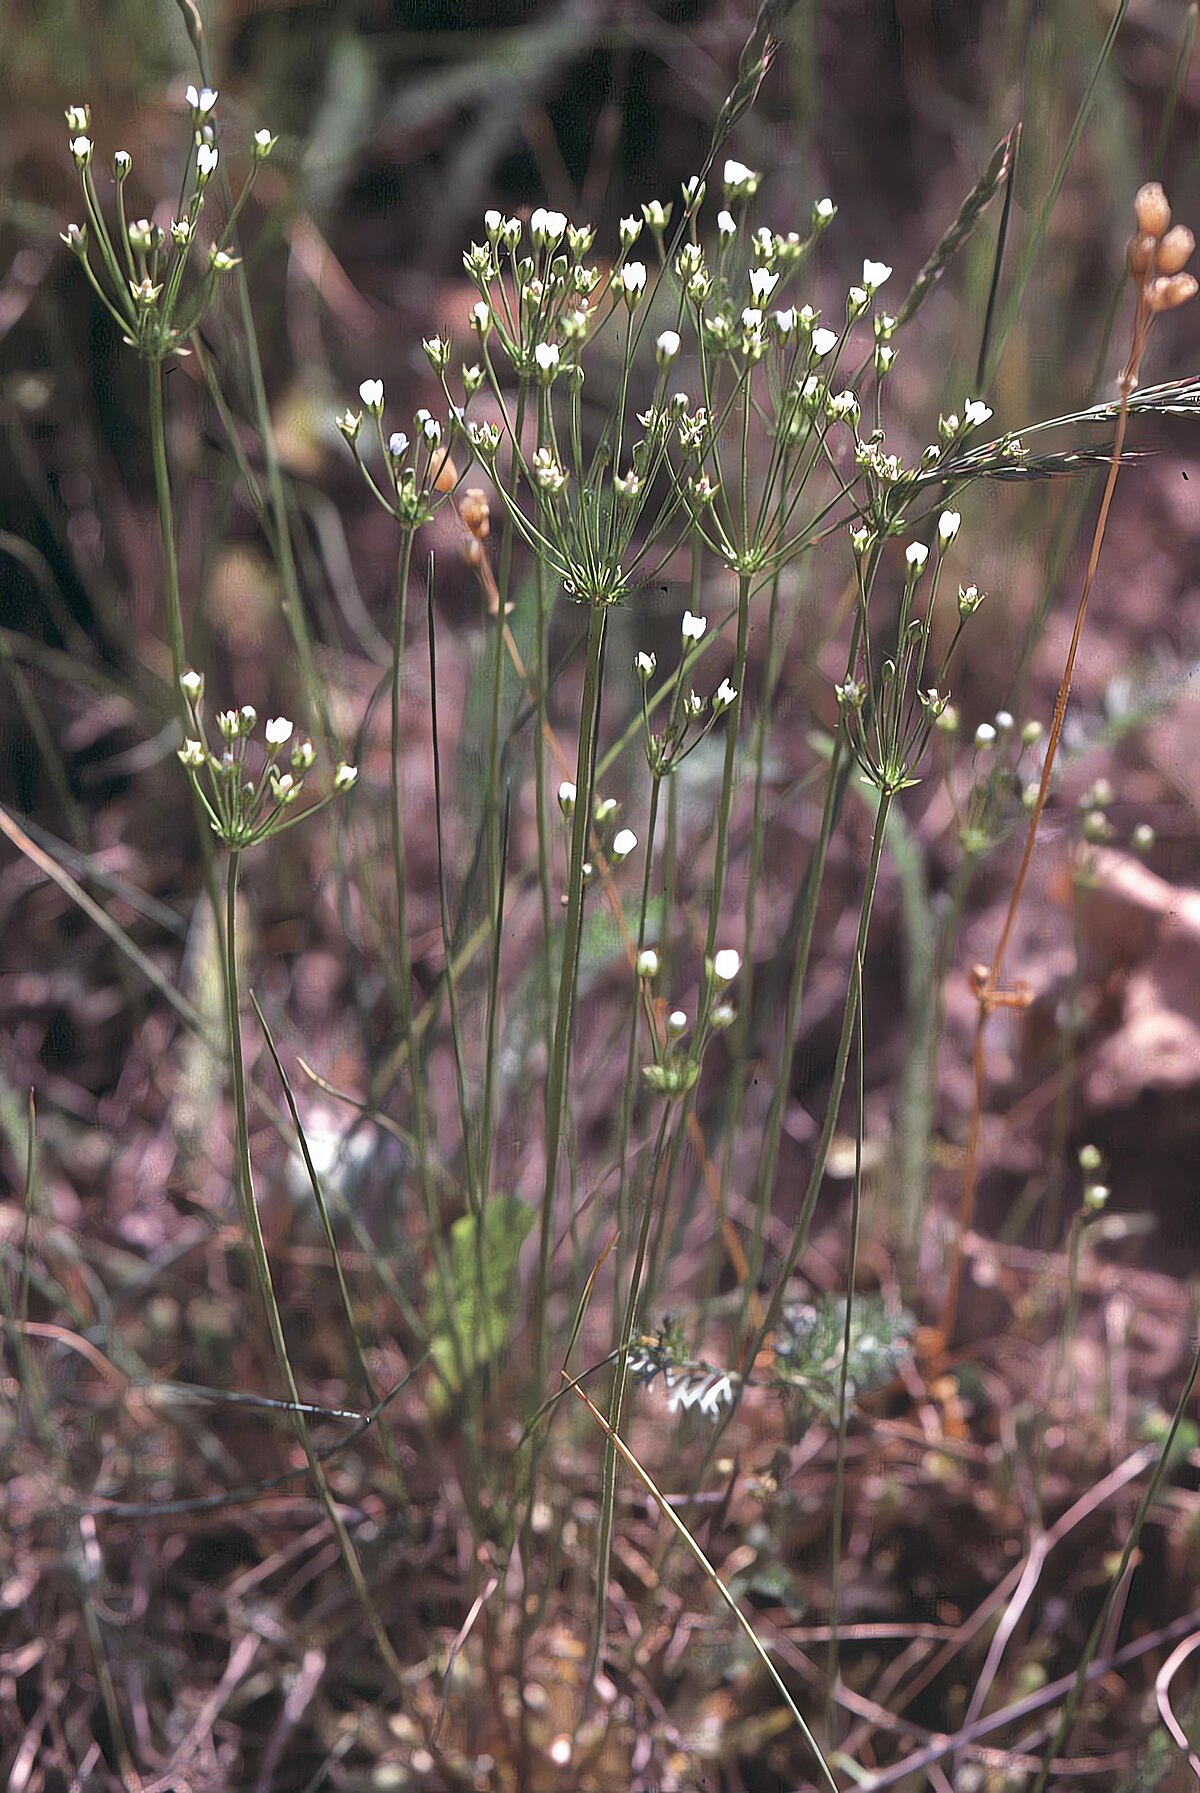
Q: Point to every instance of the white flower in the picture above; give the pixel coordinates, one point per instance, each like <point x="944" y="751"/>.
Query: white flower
<point x="947" y="529"/>
<point x="81" y="150"/>
<point x="763" y="282"/>
<point x="647" y="962"/>
<point x="192" y="685"/>
<point x="985" y="736"/>
<point x="916" y="554"/>
<point x="437" y="350"/>
<point x="693" y="627"/>
<point x="371" y="394"/>
<point x="344" y="777"/>
<point x="492" y="222"/>
<point x="785" y="322"/>
<point x="192" y="753"/>
<point x="630" y="231"/>
<point x="822" y="341"/>
<point x="633" y="280"/>
<point x="667" y="347"/>
<point x="278" y="731"/>
<point x="545" y="355"/>
<point x="1004" y="721"/>
<point x="726" y="964"/>
<point x="624" y="841"/>
<point x="481" y="316"/>
<point x="726" y="225"/>
<point x="264" y="143"/>
<point x="547" y="228"/>
<point x="566" y="797"/>
<point x="823" y="211"/>
<point x="737" y="178"/>
<point x="975" y="412"/>
<point x="874" y="274"/>
<point x="723" y="697"/>
<point x="843" y="406"/>
<point x="397" y="444"/>
<point x="644" y="665"/>
<point x="202" y="101"/>
<point x="206" y="161"/>
<point x="429" y="427"/>
<point x="677" y="1022"/>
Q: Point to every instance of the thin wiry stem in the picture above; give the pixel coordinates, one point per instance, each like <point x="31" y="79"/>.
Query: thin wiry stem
<point x="989" y="980"/>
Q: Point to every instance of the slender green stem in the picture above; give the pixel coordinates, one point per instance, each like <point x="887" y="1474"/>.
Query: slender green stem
<point x="560" y="1062"/>
<point x="166" y="524"/>
<point x="843" y="1391"/>
<point x="838" y="1082"/>
<point x="254" y="1233"/>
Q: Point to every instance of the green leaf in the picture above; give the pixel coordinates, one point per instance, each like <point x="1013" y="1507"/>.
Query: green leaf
<point x="473" y="1305"/>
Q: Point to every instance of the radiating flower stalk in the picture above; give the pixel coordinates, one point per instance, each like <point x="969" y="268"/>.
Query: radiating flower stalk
<point x="156" y="282"/>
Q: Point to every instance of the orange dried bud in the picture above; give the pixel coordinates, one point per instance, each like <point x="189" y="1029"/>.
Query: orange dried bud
<point x="1152" y="211"/>
<point x="1170" y="290"/>
<point x="1175" y="250"/>
<point x="1139" y="256"/>
<point x="476" y="513"/>
<point x="446" y="477"/>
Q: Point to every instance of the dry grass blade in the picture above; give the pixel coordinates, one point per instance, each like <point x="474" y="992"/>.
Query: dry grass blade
<point x="963" y="227"/>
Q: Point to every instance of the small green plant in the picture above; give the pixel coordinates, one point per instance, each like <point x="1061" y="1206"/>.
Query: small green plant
<point x="568" y="1044"/>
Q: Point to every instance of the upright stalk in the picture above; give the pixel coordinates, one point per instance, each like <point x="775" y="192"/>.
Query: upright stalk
<point x="262" y="1267"/>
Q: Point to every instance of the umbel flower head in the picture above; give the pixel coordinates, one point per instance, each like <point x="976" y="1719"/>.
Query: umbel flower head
<point x="156" y="284"/>
<point x="247" y="802"/>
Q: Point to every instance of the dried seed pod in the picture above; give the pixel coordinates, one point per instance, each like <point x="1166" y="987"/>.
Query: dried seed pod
<point x="1139" y="256"/>
<point x="1152" y="210"/>
<point x="475" y="513"/>
<point x="1175" y="250"/>
<point x="1170" y="290"/>
<point x="446" y="477"/>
